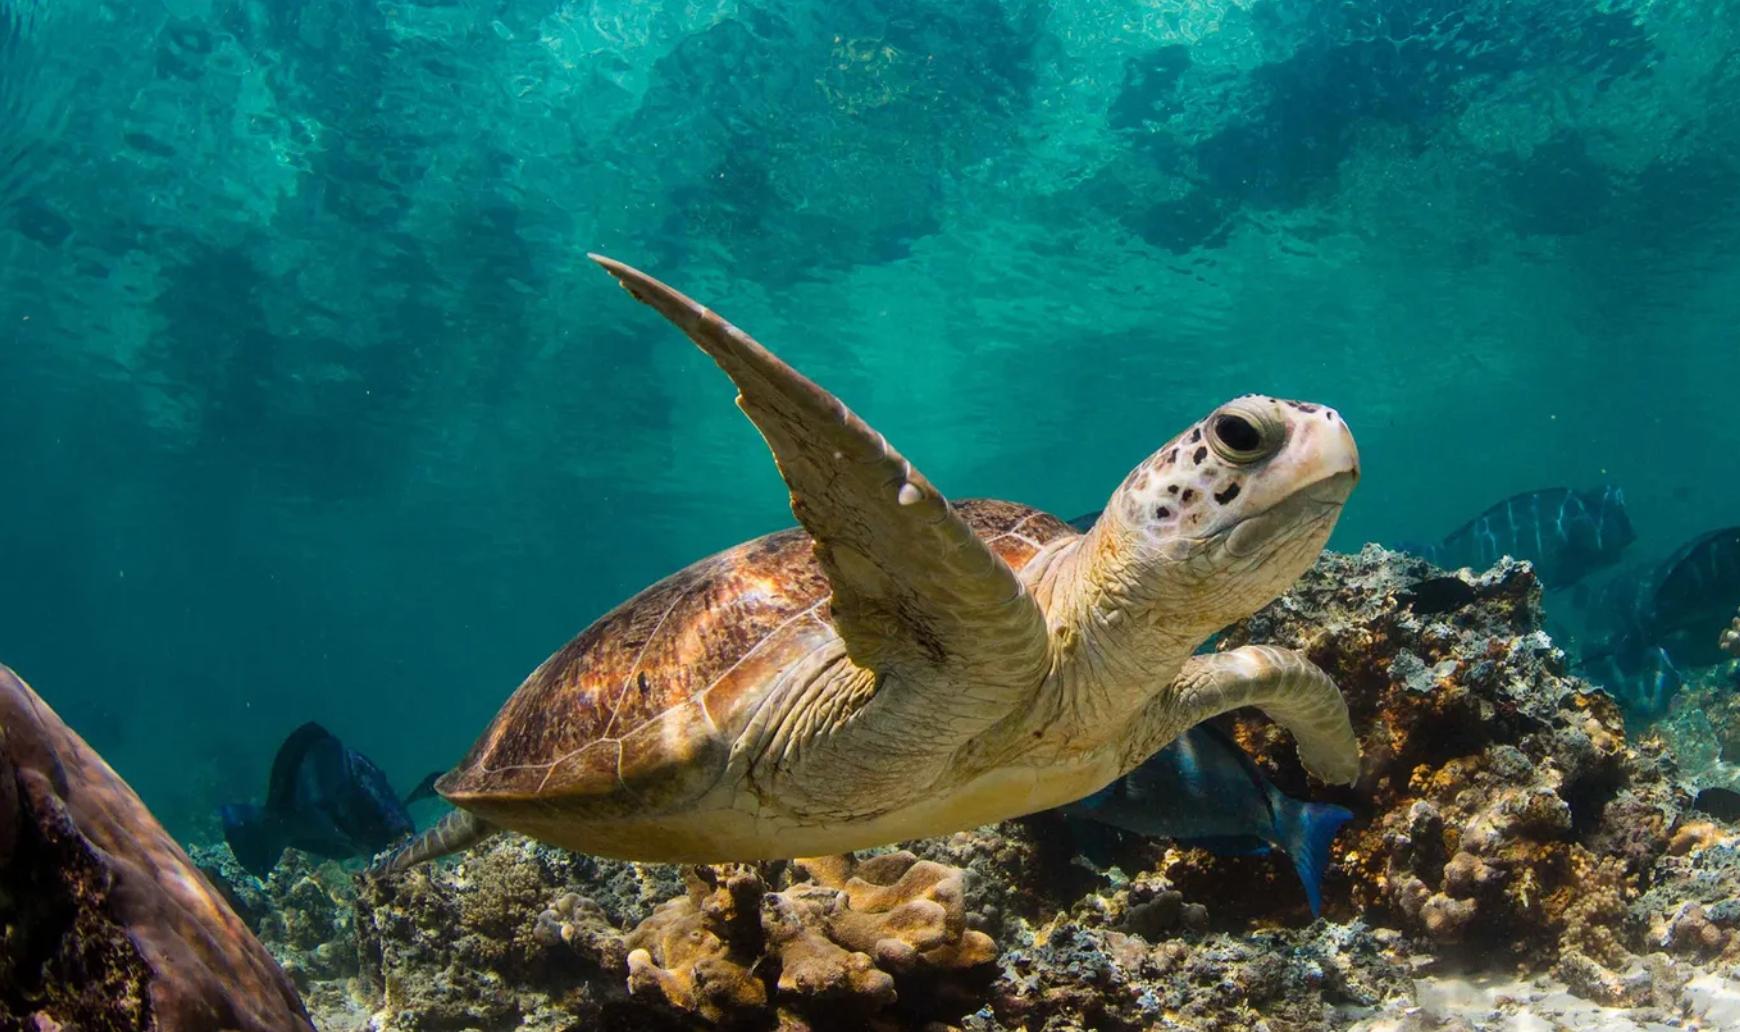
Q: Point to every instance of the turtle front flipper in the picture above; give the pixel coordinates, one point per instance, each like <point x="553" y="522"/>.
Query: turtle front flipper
<point x="1291" y="689"/>
<point x="916" y="593"/>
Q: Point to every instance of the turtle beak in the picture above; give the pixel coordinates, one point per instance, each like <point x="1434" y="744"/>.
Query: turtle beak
<point x="1324" y="456"/>
<point x="1333" y="489"/>
<point x="1315" y="473"/>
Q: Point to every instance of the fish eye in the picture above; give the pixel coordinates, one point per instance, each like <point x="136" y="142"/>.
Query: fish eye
<point x="1244" y="436"/>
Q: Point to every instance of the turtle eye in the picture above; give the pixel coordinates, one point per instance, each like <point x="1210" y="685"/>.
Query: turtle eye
<point x="1244" y="435"/>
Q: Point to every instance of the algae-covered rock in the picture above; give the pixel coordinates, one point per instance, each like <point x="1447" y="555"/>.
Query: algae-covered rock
<point x="304" y="913"/>
<point x="106" y="922"/>
<point x="1498" y="796"/>
<point x="467" y="945"/>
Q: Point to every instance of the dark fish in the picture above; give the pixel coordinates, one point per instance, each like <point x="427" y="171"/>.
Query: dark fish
<point x="1204" y="790"/>
<point x="323" y="798"/>
<point x="1719" y="802"/>
<point x="1438" y="595"/>
<point x="1695" y="595"/>
<point x="1566" y="534"/>
<point x="1681" y="605"/>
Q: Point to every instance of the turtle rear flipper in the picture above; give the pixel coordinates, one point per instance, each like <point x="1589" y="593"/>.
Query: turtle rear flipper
<point x="459" y="830"/>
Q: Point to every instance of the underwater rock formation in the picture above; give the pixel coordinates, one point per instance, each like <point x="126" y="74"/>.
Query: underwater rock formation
<point x="305" y="914"/>
<point x="107" y="924"/>
<point x="1692" y="909"/>
<point x="1499" y="803"/>
<point x="518" y="934"/>
<point x="1501" y="814"/>
<point x="1080" y="976"/>
<point x="469" y="945"/>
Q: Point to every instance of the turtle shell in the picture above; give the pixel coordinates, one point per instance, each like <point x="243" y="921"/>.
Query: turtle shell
<point x="639" y="711"/>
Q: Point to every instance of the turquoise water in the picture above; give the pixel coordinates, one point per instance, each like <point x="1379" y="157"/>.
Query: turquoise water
<point x="311" y="407"/>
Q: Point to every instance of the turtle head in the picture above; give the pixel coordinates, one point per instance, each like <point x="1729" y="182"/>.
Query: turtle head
<point x="1231" y="512"/>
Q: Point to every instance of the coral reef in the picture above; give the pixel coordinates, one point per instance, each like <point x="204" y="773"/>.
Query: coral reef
<point x="1693" y="906"/>
<point x="1730" y="641"/>
<point x="1504" y="821"/>
<point x="106" y="923"/>
<point x="469" y="945"/>
<point x="1502" y="805"/>
<point x="1073" y="975"/>
<point x="305" y="915"/>
<point x="837" y="943"/>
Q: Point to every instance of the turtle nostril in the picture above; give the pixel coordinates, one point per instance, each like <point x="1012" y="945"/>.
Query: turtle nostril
<point x="1238" y="433"/>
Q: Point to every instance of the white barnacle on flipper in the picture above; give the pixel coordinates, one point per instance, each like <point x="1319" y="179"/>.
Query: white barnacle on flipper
<point x="910" y="494"/>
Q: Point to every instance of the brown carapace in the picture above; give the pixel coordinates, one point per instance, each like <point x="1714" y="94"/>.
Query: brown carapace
<point x="700" y="646"/>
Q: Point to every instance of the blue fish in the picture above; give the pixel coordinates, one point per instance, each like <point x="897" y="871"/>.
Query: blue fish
<point x="1204" y="790"/>
<point x="323" y="798"/>
<point x="1566" y="534"/>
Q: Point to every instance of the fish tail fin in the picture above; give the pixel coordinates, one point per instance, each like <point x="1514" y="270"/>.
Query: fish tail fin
<point x="457" y="831"/>
<point x="425" y="789"/>
<point x="256" y="840"/>
<point x="1307" y="829"/>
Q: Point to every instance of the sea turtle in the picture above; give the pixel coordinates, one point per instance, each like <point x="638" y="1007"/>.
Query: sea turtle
<point x="901" y="667"/>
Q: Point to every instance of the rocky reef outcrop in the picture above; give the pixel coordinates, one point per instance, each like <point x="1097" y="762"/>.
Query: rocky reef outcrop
<point x="1504" y="822"/>
<point x="1500" y="804"/>
<point x="104" y="921"/>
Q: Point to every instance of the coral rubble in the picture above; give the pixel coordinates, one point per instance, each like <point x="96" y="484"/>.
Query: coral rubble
<point x="104" y="921"/>
<point x="1503" y="820"/>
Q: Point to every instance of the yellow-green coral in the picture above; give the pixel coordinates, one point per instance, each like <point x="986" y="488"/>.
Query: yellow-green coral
<point x="692" y="952"/>
<point x="903" y="911"/>
<point x="842" y="935"/>
<point x="1598" y="892"/>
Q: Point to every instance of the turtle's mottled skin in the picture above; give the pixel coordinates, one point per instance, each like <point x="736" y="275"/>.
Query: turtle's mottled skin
<point x="899" y="667"/>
